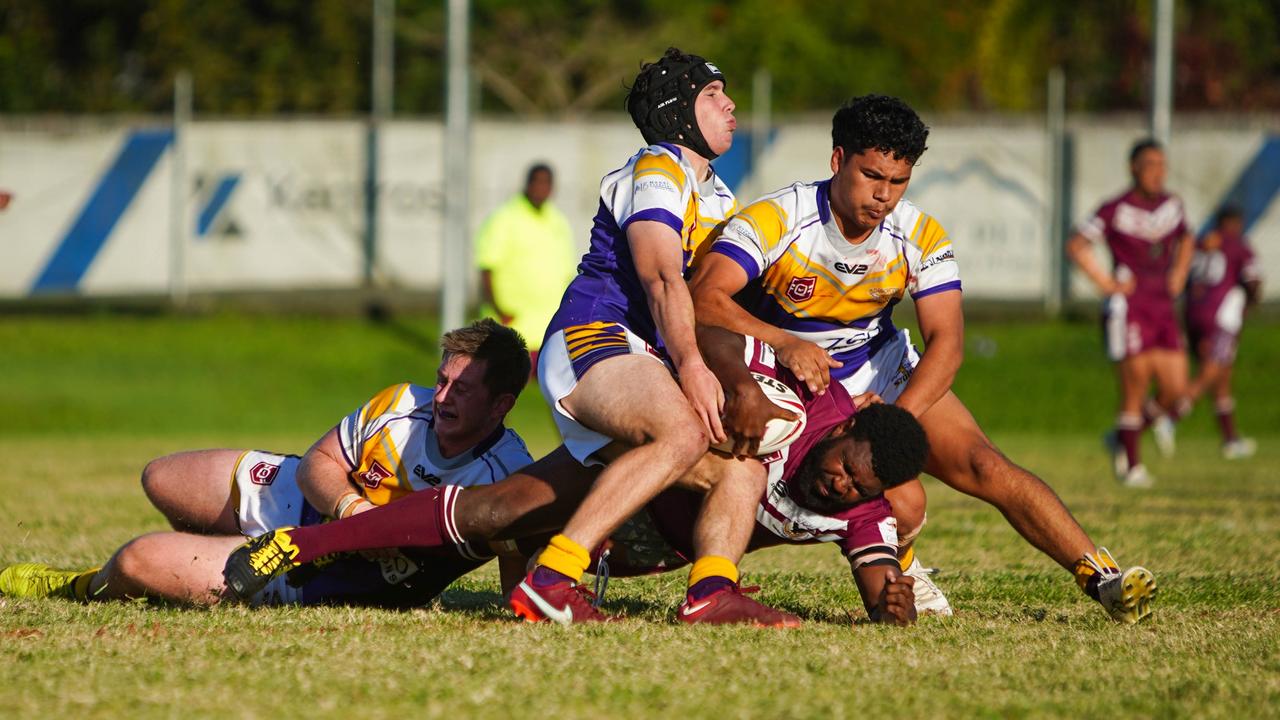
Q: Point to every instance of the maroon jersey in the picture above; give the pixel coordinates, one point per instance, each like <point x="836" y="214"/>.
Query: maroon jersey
<point x="866" y="532"/>
<point x="1142" y="235"/>
<point x="1213" y="295"/>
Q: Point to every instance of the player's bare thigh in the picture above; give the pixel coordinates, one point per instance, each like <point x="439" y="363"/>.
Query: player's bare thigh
<point x="193" y="490"/>
<point x="1170" y="370"/>
<point x="635" y="401"/>
<point x="537" y="498"/>
<point x="960" y="453"/>
<point x="174" y="566"/>
<point x="1135" y="373"/>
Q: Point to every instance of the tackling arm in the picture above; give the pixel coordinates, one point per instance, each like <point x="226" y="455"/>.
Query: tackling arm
<point x="322" y="477"/>
<point x="714" y="284"/>
<point x="941" y="319"/>
<point x="746" y="409"/>
<point x="656" y="251"/>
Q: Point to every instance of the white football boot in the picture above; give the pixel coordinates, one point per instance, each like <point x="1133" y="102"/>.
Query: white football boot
<point x="1138" y="477"/>
<point x="929" y="599"/>
<point x="1239" y="449"/>
<point x="1126" y="594"/>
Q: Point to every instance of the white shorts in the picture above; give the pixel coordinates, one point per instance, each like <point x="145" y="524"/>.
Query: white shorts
<point x="886" y="373"/>
<point x="265" y="489"/>
<point x="560" y="367"/>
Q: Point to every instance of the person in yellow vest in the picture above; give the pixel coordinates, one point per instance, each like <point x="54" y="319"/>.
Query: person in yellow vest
<point x="526" y="257"/>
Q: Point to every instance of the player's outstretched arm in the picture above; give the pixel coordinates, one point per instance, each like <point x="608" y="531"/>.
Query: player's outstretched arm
<point x="657" y="252"/>
<point x="941" y="319"/>
<point x="322" y="477"/>
<point x="886" y="594"/>
<point x="715" y="282"/>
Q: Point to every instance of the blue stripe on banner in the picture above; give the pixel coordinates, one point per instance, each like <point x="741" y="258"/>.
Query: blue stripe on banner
<point x="216" y="202"/>
<point x="118" y="187"/>
<point x="1256" y="186"/>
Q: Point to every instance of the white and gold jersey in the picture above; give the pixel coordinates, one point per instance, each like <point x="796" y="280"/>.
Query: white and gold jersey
<point x="391" y="450"/>
<point x="818" y="286"/>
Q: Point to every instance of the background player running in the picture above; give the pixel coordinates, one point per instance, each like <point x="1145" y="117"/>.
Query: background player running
<point x="1145" y="230"/>
<point x="406" y="438"/>
<point x="831" y="260"/>
<point x="1225" y="279"/>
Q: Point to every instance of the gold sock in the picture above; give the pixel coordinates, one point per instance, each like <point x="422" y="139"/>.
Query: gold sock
<point x="907" y="558"/>
<point x="712" y="566"/>
<point x="80" y="586"/>
<point x="1084" y="569"/>
<point x="565" y="557"/>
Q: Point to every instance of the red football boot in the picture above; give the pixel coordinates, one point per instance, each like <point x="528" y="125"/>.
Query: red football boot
<point x="564" y="602"/>
<point x="732" y="606"/>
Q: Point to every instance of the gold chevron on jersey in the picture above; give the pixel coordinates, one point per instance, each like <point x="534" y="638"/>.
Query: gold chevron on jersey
<point x="829" y="298"/>
<point x="659" y="164"/>
<point x="928" y="235"/>
<point x="768" y="220"/>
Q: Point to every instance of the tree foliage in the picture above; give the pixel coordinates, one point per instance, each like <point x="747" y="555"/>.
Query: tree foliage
<point x="563" y="58"/>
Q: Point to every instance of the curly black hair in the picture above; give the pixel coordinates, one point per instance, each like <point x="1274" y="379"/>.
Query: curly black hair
<point x="879" y="122"/>
<point x="898" y="443"/>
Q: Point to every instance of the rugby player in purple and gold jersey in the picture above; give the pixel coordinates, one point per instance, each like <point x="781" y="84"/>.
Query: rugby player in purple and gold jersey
<point x="407" y="438"/>
<point x="825" y="487"/>
<point x="630" y="393"/>
<point x="1145" y="229"/>
<point x="831" y="260"/>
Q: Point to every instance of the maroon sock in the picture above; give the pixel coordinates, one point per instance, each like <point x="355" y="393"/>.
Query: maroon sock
<point x="415" y="521"/>
<point x="1227" y="424"/>
<point x="1129" y="440"/>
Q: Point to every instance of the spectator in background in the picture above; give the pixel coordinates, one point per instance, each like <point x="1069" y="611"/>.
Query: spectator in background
<point x="5" y="197"/>
<point x="1145" y="229"/>
<point x="1225" y="279"/>
<point x="526" y="257"/>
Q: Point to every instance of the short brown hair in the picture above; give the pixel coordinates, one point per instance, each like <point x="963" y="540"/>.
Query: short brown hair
<point x="504" y="351"/>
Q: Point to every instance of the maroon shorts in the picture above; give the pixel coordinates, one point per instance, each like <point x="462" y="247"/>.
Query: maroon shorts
<point x="1212" y="343"/>
<point x="1131" y="327"/>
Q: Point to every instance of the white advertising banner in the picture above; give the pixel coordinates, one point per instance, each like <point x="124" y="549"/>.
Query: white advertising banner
<point x="278" y="205"/>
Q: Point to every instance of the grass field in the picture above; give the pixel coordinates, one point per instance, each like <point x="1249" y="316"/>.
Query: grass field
<point x="85" y="401"/>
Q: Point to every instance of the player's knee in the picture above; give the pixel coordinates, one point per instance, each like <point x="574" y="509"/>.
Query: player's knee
<point x="686" y="443"/>
<point x="133" y="562"/>
<point x="155" y="481"/>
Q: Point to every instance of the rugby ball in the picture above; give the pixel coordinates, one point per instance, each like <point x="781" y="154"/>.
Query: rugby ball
<point x="778" y="433"/>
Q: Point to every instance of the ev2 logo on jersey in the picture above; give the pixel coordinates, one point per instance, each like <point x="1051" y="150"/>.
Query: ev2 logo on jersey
<point x="423" y="475"/>
<point x="847" y="269"/>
